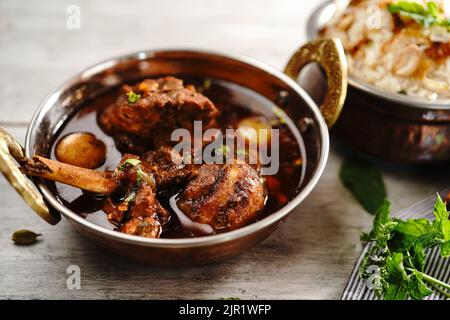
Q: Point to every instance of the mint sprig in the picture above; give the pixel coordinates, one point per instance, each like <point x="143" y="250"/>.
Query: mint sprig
<point x="399" y="254"/>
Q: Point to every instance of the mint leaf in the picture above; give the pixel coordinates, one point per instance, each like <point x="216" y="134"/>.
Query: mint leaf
<point x="417" y="288"/>
<point x="442" y="223"/>
<point x="402" y="285"/>
<point x="445" y="249"/>
<point x="419" y="247"/>
<point x="365" y="182"/>
<point x="439" y="210"/>
<point x="396" y="269"/>
<point x="396" y="292"/>
<point x="409" y="231"/>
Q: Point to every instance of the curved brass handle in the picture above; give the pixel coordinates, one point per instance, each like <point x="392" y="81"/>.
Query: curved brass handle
<point x="329" y="53"/>
<point x="11" y="150"/>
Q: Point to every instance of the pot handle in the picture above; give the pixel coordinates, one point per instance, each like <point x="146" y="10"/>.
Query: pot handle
<point x="11" y="150"/>
<point x="329" y="54"/>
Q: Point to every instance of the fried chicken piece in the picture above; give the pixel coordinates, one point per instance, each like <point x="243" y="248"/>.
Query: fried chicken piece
<point x="225" y="197"/>
<point x="146" y="216"/>
<point x="145" y="115"/>
<point x="167" y="167"/>
<point x="140" y="212"/>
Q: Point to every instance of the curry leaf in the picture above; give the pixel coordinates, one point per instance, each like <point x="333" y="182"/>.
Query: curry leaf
<point x="365" y="182"/>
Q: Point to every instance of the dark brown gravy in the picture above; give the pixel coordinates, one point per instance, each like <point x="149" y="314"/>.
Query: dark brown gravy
<point x="235" y="103"/>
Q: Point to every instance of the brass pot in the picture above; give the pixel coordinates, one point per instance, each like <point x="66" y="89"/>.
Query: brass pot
<point x="274" y="85"/>
<point x="389" y="126"/>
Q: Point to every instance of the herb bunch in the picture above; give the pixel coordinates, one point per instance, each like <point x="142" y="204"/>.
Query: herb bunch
<point x="395" y="263"/>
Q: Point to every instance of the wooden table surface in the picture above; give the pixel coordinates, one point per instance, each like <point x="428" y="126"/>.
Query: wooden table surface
<point x="309" y="257"/>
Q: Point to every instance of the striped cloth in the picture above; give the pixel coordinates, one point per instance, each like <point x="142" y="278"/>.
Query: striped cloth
<point x="356" y="288"/>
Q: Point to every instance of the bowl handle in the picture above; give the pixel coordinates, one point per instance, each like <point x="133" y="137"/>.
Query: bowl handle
<point x="11" y="150"/>
<point x="329" y="54"/>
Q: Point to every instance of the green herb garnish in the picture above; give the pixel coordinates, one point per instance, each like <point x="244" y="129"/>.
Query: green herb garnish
<point x="132" y="162"/>
<point x="130" y="197"/>
<point x="133" y="97"/>
<point x="365" y="182"/>
<point x="396" y="262"/>
<point x="428" y="16"/>
<point x="140" y="174"/>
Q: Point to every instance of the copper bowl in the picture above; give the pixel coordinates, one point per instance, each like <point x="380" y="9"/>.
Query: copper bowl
<point x="389" y="126"/>
<point x="275" y="85"/>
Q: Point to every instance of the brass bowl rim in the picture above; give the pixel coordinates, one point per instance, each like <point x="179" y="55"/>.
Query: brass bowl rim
<point x="419" y="103"/>
<point x="48" y="103"/>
